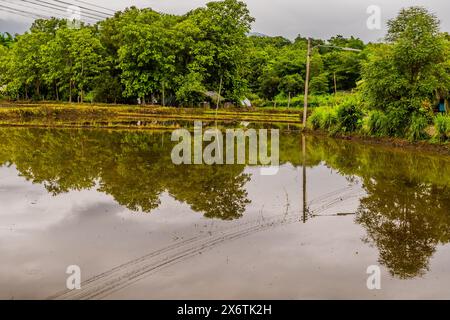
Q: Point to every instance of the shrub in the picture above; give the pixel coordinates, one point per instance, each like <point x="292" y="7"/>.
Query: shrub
<point x="396" y="122"/>
<point x="329" y="119"/>
<point x="349" y="116"/>
<point x="323" y="118"/>
<point x="442" y="125"/>
<point x="377" y="123"/>
<point x="314" y="101"/>
<point x="416" y="130"/>
<point x="315" y="119"/>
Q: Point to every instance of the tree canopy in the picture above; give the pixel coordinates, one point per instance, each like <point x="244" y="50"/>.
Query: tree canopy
<point x="407" y="73"/>
<point x="141" y="54"/>
<point x="152" y="57"/>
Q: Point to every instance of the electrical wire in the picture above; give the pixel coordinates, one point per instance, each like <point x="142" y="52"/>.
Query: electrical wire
<point x="52" y="6"/>
<point x="92" y="10"/>
<point x="15" y="10"/>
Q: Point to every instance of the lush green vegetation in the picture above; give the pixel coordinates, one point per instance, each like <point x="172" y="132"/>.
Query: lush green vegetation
<point x="387" y="89"/>
<point x="157" y="58"/>
<point x="402" y="82"/>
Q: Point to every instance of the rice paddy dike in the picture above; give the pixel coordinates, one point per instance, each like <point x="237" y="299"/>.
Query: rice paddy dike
<point x="134" y="117"/>
<point x="128" y="116"/>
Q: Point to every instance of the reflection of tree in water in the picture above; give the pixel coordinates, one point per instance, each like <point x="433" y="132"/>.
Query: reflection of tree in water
<point x="406" y="212"/>
<point x="406" y="221"/>
<point x="218" y="191"/>
<point x="134" y="167"/>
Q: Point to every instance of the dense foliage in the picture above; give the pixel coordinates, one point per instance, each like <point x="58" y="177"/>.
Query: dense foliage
<point x="209" y="55"/>
<point x="409" y="74"/>
<point x="141" y="54"/>
<point x="403" y="80"/>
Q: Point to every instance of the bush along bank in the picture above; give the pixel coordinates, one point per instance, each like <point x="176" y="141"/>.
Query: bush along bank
<point x="352" y="118"/>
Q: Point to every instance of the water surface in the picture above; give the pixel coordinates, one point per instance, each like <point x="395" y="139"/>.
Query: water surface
<point x="141" y="227"/>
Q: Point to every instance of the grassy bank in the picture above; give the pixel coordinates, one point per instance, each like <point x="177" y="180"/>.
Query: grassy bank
<point x="350" y="120"/>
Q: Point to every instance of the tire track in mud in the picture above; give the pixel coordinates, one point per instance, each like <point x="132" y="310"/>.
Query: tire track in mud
<point x="106" y="283"/>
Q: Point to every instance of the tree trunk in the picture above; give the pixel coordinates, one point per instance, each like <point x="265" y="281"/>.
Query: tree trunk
<point x="56" y="91"/>
<point x="38" y="91"/>
<point x="70" y="91"/>
<point x="163" y="96"/>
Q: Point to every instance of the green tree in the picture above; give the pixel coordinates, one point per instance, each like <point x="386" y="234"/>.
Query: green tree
<point x="293" y="83"/>
<point x="26" y="64"/>
<point x="6" y="39"/>
<point x="319" y="84"/>
<point x="147" y="58"/>
<point x="217" y="45"/>
<point x="403" y="76"/>
<point x="73" y="60"/>
<point x="88" y="64"/>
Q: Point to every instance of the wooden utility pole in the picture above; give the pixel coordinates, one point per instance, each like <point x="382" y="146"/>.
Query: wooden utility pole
<point x="335" y="84"/>
<point x="308" y="70"/>
<point x="308" y="67"/>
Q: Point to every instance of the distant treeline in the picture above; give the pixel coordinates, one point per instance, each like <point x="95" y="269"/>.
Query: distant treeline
<point x="140" y="54"/>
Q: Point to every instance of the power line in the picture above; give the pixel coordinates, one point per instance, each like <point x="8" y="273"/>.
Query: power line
<point x="52" y="6"/>
<point x="22" y="11"/>
<point x="93" y="10"/>
<point x="43" y="6"/>
<point x="19" y="14"/>
<point x="96" y="6"/>
<point x="31" y="7"/>
<point x="60" y="8"/>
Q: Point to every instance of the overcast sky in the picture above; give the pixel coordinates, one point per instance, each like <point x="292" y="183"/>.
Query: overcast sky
<point x="316" y="18"/>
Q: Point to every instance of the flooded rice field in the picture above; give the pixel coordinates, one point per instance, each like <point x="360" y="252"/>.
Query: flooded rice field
<point x="140" y="227"/>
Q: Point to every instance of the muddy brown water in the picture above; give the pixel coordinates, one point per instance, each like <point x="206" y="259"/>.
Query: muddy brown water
<point x="140" y="227"/>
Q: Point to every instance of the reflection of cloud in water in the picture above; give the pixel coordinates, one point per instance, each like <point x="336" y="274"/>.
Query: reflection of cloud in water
<point x="104" y="182"/>
<point x="25" y="206"/>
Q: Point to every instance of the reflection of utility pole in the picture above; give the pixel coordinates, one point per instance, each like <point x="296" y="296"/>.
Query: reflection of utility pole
<point x="305" y="205"/>
<point x="217" y="109"/>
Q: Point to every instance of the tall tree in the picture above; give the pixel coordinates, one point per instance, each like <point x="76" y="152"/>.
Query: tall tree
<point x="405" y="74"/>
<point x="147" y="57"/>
<point x="73" y="60"/>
